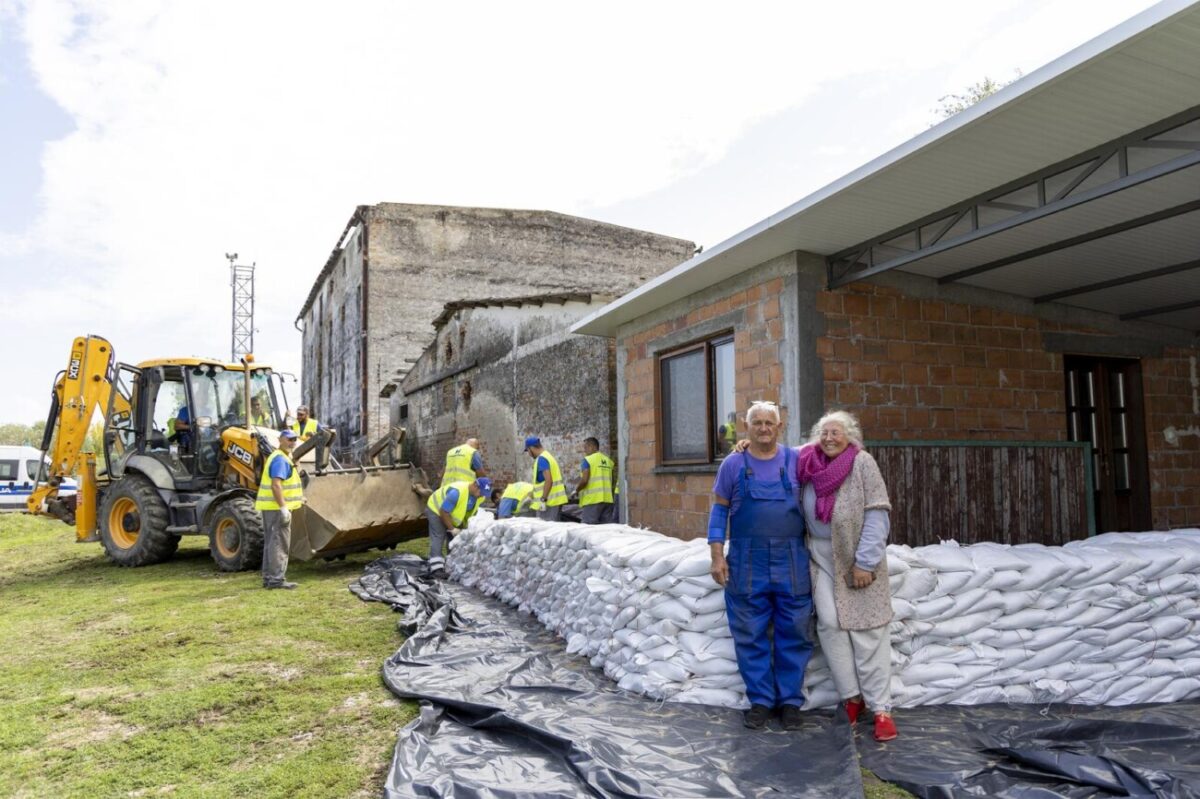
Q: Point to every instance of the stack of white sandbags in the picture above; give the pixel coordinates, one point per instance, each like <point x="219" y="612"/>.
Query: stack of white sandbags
<point x="1108" y="621"/>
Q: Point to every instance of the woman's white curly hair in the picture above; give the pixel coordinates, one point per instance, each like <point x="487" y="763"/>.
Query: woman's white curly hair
<point x="849" y="424"/>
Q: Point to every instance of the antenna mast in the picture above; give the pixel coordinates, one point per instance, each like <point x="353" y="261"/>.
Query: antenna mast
<point x="241" y="279"/>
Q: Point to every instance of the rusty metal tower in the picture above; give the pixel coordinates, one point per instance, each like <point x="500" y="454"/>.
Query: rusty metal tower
<point x="241" y="280"/>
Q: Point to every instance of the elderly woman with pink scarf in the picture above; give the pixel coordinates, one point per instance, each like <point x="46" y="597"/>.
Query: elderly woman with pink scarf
<point x="846" y="508"/>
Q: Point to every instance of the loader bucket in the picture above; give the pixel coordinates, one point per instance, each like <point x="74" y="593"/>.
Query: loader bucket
<point x="353" y="510"/>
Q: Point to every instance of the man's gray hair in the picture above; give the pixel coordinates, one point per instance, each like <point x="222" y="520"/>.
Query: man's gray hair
<point x="763" y="406"/>
<point x="847" y="420"/>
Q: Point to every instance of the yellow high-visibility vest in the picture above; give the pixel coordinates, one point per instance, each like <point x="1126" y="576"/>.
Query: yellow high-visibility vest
<point x="310" y="429"/>
<point x="458" y="465"/>
<point x="461" y="512"/>
<point x="293" y="491"/>
<point x="521" y="492"/>
<point x="599" y="486"/>
<point x="558" y="492"/>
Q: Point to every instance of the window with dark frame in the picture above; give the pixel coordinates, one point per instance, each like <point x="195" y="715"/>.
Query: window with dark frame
<point x="697" y="415"/>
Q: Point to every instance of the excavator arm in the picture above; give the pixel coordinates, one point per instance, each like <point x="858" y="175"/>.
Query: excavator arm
<point x="84" y="386"/>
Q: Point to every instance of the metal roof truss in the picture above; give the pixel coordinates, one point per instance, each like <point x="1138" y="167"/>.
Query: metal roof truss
<point x="1138" y="159"/>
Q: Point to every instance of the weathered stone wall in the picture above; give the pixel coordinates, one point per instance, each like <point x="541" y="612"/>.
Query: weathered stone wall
<point x="418" y="257"/>
<point x="506" y="373"/>
<point x="331" y="381"/>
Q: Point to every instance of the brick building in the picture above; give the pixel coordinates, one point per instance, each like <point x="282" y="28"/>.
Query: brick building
<point x="1023" y="278"/>
<point x="396" y="265"/>
<point x="502" y="369"/>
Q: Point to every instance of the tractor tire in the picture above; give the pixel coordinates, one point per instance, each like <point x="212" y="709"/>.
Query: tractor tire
<point x="235" y="535"/>
<point x="133" y="523"/>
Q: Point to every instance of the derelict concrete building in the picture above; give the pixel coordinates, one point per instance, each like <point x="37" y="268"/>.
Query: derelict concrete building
<point x="396" y="265"/>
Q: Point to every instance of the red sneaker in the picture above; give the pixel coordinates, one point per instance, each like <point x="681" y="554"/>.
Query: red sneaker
<point x="885" y="728"/>
<point x="853" y="708"/>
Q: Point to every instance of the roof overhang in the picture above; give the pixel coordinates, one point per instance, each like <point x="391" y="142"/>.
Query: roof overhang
<point x="1099" y="137"/>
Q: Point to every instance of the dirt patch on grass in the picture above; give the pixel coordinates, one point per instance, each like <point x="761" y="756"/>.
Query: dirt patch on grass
<point x="89" y="726"/>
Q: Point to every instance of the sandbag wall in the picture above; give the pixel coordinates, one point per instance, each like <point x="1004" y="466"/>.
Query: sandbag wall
<point x="1109" y="620"/>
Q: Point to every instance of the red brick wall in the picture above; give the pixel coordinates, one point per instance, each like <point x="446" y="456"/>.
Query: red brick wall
<point x="910" y="369"/>
<point x="677" y="504"/>
<point x="927" y="369"/>
<point x="1171" y="400"/>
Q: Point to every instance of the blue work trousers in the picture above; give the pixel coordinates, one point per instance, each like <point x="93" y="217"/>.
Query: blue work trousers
<point x="769" y="587"/>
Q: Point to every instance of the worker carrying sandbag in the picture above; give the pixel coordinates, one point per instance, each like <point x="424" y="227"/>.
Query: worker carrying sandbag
<point x="448" y="510"/>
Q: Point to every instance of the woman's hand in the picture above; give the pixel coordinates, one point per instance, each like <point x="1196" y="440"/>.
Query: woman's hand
<point x="720" y="566"/>
<point x="742" y="445"/>
<point x="860" y="578"/>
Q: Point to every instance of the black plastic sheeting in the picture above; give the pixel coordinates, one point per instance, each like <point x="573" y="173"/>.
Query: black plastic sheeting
<point x="1039" y="751"/>
<point x="508" y="713"/>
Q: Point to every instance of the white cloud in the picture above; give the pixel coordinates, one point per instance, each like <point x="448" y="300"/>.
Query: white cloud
<point x="256" y="126"/>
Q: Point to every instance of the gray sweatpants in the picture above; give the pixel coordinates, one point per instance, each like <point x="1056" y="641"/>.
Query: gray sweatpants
<point x="860" y="660"/>
<point x="438" y="536"/>
<point x="551" y="514"/>
<point x="597" y="513"/>
<point x="277" y="540"/>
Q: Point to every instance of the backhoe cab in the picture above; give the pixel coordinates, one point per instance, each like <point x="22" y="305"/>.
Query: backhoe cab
<point x="184" y="444"/>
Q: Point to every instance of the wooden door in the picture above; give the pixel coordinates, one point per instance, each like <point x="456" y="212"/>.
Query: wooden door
<point x="1104" y="407"/>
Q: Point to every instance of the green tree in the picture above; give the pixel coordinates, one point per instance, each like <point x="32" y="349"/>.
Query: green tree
<point x="951" y="104"/>
<point x="22" y="434"/>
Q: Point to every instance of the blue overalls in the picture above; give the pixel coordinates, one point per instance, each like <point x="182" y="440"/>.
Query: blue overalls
<point x="769" y="585"/>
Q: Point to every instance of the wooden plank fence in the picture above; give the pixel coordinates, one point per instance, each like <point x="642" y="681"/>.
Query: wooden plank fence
<point x="1010" y="492"/>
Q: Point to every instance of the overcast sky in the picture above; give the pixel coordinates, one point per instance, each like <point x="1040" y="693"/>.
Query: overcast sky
<point x="140" y="141"/>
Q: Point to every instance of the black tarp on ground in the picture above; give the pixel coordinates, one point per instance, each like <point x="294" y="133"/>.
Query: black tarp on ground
<point x="513" y="715"/>
<point x="510" y="714"/>
<point x="1038" y="751"/>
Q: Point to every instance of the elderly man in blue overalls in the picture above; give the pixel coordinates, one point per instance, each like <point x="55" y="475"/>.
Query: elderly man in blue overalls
<point x="766" y="576"/>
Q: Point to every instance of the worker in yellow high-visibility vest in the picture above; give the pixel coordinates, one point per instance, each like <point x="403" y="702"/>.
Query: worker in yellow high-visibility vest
<point x="447" y="512"/>
<point x="279" y="493"/>
<point x="597" y="475"/>
<point x="514" y="501"/>
<point x="463" y="463"/>
<point x="549" y="491"/>
<point x="306" y="427"/>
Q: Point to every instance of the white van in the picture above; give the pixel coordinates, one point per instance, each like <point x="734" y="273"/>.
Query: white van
<point x="18" y="470"/>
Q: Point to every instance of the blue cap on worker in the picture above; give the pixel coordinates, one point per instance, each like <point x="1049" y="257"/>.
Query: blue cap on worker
<point x="532" y="441"/>
<point x="485" y="485"/>
<point x="289" y="433"/>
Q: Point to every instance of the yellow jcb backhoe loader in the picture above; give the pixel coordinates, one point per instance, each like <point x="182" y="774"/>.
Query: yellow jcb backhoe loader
<point x="185" y="440"/>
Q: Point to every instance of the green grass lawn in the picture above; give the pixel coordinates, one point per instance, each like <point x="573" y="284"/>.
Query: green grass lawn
<point x="180" y="680"/>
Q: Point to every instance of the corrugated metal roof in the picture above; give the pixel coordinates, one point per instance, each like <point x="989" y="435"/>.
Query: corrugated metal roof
<point x="1140" y="72"/>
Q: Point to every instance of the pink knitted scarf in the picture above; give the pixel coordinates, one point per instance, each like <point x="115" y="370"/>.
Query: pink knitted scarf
<point x="826" y="475"/>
